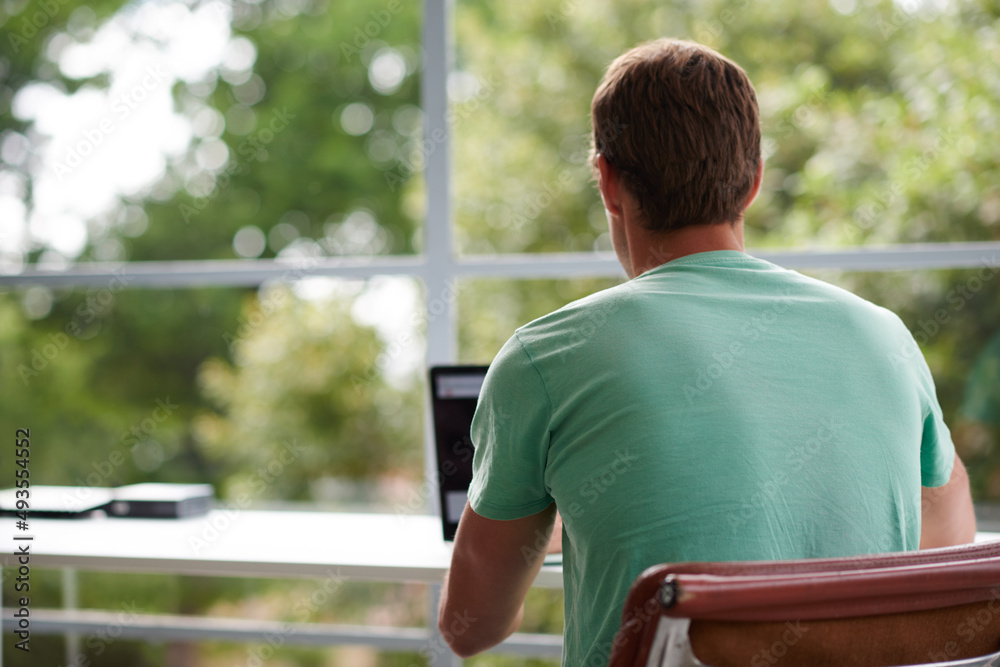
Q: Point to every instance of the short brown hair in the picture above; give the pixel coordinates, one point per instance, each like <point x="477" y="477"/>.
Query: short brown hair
<point x="679" y="122"/>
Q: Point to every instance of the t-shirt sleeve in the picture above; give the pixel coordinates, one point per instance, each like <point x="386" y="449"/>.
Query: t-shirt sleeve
<point x="937" y="452"/>
<point x="510" y="432"/>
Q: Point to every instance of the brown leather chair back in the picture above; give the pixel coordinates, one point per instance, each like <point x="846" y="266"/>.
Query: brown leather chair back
<point x="919" y="607"/>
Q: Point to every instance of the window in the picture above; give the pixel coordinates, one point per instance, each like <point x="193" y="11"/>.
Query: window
<point x="229" y="225"/>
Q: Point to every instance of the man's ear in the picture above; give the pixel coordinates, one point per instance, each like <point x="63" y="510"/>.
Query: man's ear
<point x="609" y="186"/>
<point x="755" y="189"/>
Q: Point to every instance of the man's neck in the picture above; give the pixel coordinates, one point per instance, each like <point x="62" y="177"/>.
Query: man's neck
<point x="647" y="250"/>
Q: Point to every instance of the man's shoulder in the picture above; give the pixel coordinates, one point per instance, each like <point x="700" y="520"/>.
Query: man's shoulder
<point x="673" y="300"/>
<point x="807" y="287"/>
<point x="600" y="307"/>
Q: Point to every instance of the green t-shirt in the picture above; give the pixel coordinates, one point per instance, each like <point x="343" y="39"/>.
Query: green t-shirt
<point x="717" y="407"/>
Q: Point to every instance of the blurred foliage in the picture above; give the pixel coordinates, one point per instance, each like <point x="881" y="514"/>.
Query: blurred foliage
<point x="878" y="120"/>
<point x="88" y="370"/>
<point x="207" y="385"/>
<point x="313" y="174"/>
<point x="284" y="398"/>
<point x="880" y="124"/>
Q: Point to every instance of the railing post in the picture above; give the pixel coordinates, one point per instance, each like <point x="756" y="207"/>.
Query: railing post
<point x="70" y="600"/>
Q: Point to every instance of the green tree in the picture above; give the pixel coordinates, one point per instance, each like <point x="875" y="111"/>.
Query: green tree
<point x="300" y="403"/>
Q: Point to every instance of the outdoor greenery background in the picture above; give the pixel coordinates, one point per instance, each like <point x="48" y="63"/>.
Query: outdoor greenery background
<point x="880" y="124"/>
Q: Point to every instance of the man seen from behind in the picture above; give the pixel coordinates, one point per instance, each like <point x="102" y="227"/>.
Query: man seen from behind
<point x="713" y="407"/>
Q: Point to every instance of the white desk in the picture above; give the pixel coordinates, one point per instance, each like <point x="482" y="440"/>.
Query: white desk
<point x="369" y="547"/>
<point x="239" y="543"/>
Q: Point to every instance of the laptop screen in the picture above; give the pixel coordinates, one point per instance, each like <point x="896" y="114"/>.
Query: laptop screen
<point x="454" y="393"/>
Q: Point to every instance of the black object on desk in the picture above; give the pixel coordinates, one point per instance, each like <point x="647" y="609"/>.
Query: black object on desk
<point x="148" y="501"/>
<point x="161" y="501"/>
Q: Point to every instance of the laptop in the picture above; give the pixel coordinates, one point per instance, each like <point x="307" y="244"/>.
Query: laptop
<point x="454" y="394"/>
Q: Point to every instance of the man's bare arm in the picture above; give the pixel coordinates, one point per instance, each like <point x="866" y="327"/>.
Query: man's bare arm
<point x="492" y="566"/>
<point x="947" y="517"/>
